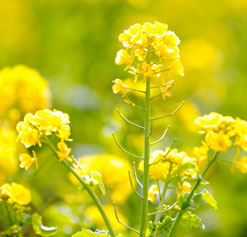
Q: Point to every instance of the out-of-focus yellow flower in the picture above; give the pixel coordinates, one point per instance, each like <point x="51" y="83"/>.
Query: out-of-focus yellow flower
<point x="209" y="122"/>
<point x="93" y="213"/>
<point x="241" y="164"/>
<point x="200" y="54"/>
<point x="16" y="193"/>
<point x="176" y="67"/>
<point x="185" y="187"/>
<point x="63" y="151"/>
<point x="218" y="141"/>
<point x="153" y="193"/>
<point x="163" y="164"/>
<point x="240" y="127"/>
<point x="114" y="172"/>
<point x="119" y="87"/>
<point x="27" y="160"/>
<point x="122" y="57"/>
<point x="201" y="154"/>
<point x="24" y="89"/>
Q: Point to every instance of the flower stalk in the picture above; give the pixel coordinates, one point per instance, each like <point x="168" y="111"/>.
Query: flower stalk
<point x="147" y="128"/>
<point x="186" y="204"/>
<point x="88" y="189"/>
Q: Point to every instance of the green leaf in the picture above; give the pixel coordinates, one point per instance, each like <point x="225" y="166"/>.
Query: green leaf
<point x="40" y="229"/>
<point x="96" y="178"/>
<point x="190" y="221"/>
<point x="209" y="199"/>
<point x="89" y="233"/>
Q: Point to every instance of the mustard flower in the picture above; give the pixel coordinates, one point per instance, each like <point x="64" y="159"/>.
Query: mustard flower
<point x="153" y="193"/>
<point x="27" y="160"/>
<point x="22" y="90"/>
<point x="185" y="187"/>
<point x="241" y="164"/>
<point x="119" y="87"/>
<point x="16" y="193"/>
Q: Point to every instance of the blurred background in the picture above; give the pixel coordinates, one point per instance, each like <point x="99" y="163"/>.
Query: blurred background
<point x="73" y="43"/>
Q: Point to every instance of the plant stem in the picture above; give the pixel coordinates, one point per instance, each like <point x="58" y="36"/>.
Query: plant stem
<point x="147" y="127"/>
<point x="8" y="213"/>
<point x="162" y="199"/>
<point x="89" y="190"/>
<point x="187" y="202"/>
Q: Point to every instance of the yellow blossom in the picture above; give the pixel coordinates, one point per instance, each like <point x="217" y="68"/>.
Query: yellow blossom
<point x="209" y="122"/>
<point x="242" y="164"/>
<point x="27" y="161"/>
<point x="114" y="172"/>
<point x="153" y="192"/>
<point x="176" y="67"/>
<point x="16" y="193"/>
<point x="63" y="151"/>
<point x="119" y="87"/>
<point x="122" y="57"/>
<point x="218" y="141"/>
<point x="23" y="89"/>
<point x="185" y="187"/>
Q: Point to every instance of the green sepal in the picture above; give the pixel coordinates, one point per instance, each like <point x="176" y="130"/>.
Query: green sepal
<point x="40" y="229"/>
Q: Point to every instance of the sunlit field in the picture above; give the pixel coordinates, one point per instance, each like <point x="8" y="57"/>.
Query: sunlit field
<point x="123" y="118"/>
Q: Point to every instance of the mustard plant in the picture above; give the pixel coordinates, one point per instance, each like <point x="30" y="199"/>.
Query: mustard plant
<point x="151" y="55"/>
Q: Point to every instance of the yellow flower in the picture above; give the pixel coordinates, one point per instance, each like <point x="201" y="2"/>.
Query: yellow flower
<point x="16" y="193"/>
<point x="242" y="164"/>
<point x="176" y="67"/>
<point x="163" y="164"/>
<point x="27" y="135"/>
<point x="218" y="141"/>
<point x="63" y="151"/>
<point x="122" y="57"/>
<point x="240" y="128"/>
<point x="209" y="122"/>
<point x="114" y="172"/>
<point x="153" y="193"/>
<point x="64" y="132"/>
<point x="184" y="188"/>
<point x="27" y="161"/>
<point x="119" y="87"/>
<point x="8" y="149"/>
<point x="24" y="89"/>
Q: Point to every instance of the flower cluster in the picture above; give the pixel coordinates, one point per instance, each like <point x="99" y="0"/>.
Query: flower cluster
<point x="165" y="164"/>
<point x="15" y="194"/>
<point x="38" y="126"/>
<point x="221" y="133"/>
<point x="114" y="172"/>
<point x="149" y="50"/>
<point x="23" y="90"/>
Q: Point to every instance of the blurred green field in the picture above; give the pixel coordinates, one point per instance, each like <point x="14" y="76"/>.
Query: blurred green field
<point x="73" y="43"/>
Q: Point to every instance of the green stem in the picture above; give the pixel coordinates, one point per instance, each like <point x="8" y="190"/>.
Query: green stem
<point x="8" y="213"/>
<point x="89" y="190"/>
<point x="162" y="200"/>
<point x="147" y="127"/>
<point x="186" y="204"/>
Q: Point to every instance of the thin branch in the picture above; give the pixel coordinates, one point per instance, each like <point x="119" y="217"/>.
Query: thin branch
<point x="119" y="145"/>
<point x="128" y="121"/>
<point x="132" y="89"/>
<point x="164" y="210"/>
<point x="163" y="136"/>
<point x="156" y="96"/>
<point x="135" y="174"/>
<point x="167" y="153"/>
<point x="115" y="209"/>
<point x="132" y="186"/>
<point x="133" y="104"/>
<point x="172" y="113"/>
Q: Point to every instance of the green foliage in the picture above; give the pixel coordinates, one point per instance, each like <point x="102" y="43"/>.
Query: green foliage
<point x="190" y="221"/>
<point x="95" y="179"/>
<point x="40" y="229"/>
<point x="207" y="197"/>
<point x="89" y="233"/>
